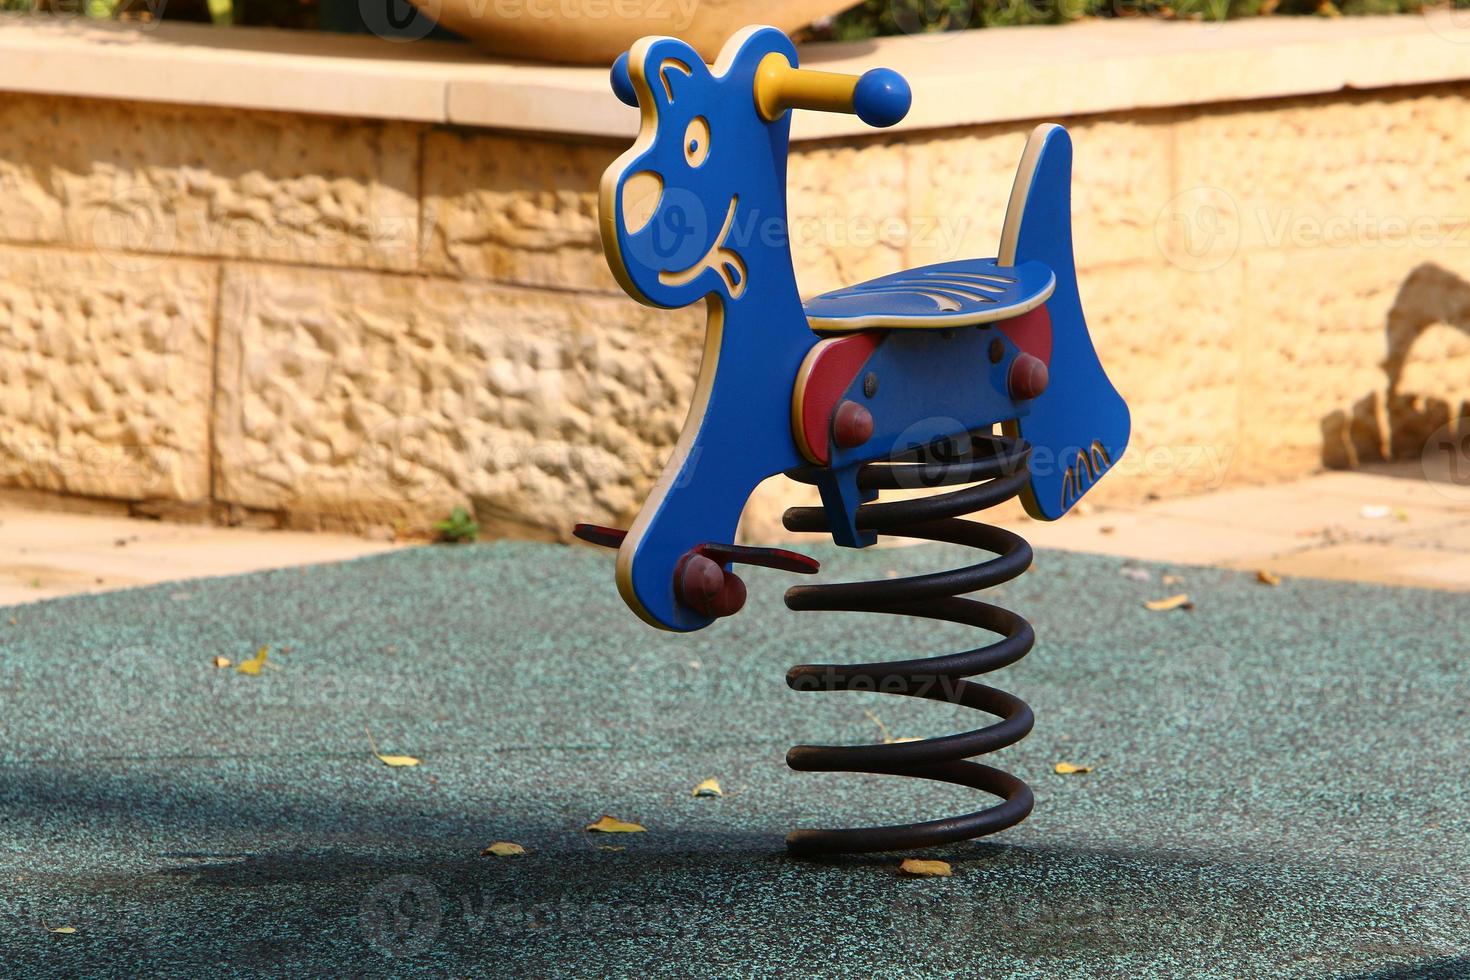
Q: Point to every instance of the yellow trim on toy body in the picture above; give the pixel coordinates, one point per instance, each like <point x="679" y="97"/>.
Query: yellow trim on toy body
<point x="938" y="321"/>
<point x="714" y="334"/>
<point x="1079" y="378"/>
<point x="607" y="188"/>
<point x="798" y="398"/>
<point x="1010" y="229"/>
<point x="714" y="307"/>
<point x="1010" y="233"/>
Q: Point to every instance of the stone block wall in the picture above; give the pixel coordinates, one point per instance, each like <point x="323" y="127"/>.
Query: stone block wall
<point x="314" y="321"/>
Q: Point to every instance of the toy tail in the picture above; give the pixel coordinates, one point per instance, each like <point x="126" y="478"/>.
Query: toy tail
<point x="1078" y="427"/>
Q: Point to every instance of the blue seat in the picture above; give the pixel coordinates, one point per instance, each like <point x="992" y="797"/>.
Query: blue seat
<point x="934" y="297"/>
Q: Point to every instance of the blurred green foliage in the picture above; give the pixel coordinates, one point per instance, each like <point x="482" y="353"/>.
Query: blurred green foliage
<point x="873" y="18"/>
<point x="458" y="528"/>
<point x="302" y="14"/>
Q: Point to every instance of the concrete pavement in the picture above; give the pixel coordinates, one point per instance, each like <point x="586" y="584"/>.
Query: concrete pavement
<point x="1389" y="525"/>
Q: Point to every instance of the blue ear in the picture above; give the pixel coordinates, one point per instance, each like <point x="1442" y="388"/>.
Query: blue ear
<point x="622" y="82"/>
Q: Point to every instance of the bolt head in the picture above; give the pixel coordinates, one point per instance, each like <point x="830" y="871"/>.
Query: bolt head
<point x="852" y="425"/>
<point x="1028" y="377"/>
<point x="702" y="585"/>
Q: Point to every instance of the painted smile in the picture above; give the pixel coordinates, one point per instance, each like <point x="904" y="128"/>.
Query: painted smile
<point x="726" y="264"/>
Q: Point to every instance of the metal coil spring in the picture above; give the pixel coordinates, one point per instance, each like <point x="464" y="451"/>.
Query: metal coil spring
<point x="1001" y="463"/>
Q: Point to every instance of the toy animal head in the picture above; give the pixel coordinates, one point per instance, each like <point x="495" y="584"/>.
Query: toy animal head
<point x="697" y="206"/>
<point x="684" y="209"/>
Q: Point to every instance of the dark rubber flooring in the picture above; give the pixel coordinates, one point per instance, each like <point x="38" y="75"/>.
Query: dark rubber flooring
<point x="1279" y="785"/>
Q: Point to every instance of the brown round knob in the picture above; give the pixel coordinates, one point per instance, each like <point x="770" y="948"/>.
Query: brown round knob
<point x="852" y="425"/>
<point x="702" y="585"/>
<point x="1028" y="377"/>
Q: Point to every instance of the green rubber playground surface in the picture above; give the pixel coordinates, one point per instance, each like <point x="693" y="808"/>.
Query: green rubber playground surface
<point x="1278" y="785"/>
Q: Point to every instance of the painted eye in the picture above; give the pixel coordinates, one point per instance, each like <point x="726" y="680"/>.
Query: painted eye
<point x="696" y="141"/>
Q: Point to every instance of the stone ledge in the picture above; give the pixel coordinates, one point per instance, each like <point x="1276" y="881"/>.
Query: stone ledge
<point x="959" y="79"/>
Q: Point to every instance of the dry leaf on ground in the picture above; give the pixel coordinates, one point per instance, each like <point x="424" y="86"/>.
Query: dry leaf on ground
<point x="1068" y="769"/>
<point x="254" y="665"/>
<point x="888" y="738"/>
<point x="1180" y="601"/>
<point x="612" y="825"/>
<point x="710" y="787"/>
<point x="222" y="661"/>
<point x="925" y="869"/>
<point x="1268" y="578"/>
<point x="397" y="761"/>
<point x="62" y="930"/>
<point x="502" y="848"/>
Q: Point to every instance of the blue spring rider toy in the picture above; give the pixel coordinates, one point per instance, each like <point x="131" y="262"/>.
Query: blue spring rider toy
<point x="895" y="383"/>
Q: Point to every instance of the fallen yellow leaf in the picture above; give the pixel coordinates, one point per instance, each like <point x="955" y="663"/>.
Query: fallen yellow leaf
<point x="925" y="869"/>
<point x="611" y="847"/>
<point x="888" y="738"/>
<point x="254" y="664"/>
<point x="502" y="848"/>
<point x="390" y="760"/>
<point x="612" y="825"/>
<point x="1164" y="605"/>
<point x="222" y="661"/>
<point x="1268" y="578"/>
<point x="710" y="787"/>
<point x="1067" y="769"/>
<point x="61" y="930"/>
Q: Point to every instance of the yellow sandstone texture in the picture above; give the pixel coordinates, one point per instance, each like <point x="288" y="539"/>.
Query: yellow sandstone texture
<point x="359" y="323"/>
